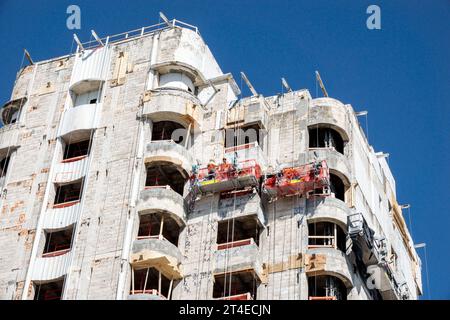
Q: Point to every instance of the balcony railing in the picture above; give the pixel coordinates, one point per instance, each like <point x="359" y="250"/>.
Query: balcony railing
<point x="55" y="253"/>
<point x="241" y="296"/>
<point x="65" y="204"/>
<point x="324" y="298"/>
<point x="73" y="159"/>
<point x="331" y="243"/>
<point x="147" y="291"/>
<point x="234" y="244"/>
<point x="136" y="33"/>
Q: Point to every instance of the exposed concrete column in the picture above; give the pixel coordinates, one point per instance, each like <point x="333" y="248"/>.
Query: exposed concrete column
<point x="161" y="226"/>
<point x="159" y="282"/>
<point x="127" y="242"/>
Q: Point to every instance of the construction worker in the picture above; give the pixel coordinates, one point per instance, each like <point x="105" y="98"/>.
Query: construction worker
<point x="211" y="169"/>
<point x="225" y="167"/>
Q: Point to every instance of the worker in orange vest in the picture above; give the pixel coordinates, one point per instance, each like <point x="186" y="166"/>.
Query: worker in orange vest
<point x="211" y="169"/>
<point x="225" y="167"/>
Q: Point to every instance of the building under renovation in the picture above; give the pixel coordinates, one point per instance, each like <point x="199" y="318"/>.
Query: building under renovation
<point x="135" y="169"/>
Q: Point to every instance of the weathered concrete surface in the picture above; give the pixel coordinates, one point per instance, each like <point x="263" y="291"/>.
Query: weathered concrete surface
<point x="107" y="223"/>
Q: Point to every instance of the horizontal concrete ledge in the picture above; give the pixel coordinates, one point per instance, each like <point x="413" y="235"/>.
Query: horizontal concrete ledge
<point x="50" y="268"/>
<point x="9" y="136"/>
<point x="71" y="171"/>
<point x="78" y="118"/>
<point x="332" y="112"/>
<point x="158" y="253"/>
<point x="240" y="258"/>
<point x="327" y="102"/>
<point x="329" y="261"/>
<point x="59" y="218"/>
<point x="335" y="160"/>
<point x="163" y="199"/>
<point x="246" y="205"/>
<point x="328" y="209"/>
<point x="168" y="150"/>
<point x="171" y="104"/>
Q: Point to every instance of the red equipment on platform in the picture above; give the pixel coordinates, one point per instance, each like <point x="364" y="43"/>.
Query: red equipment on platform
<point x="298" y="180"/>
<point x="226" y="177"/>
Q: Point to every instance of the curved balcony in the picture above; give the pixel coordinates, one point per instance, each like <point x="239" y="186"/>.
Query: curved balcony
<point x="62" y="216"/>
<point x="11" y="109"/>
<point x="71" y="169"/>
<point x="329" y="261"/>
<point x="332" y="112"/>
<point x="156" y="251"/>
<point x="239" y="256"/>
<point x="24" y="76"/>
<point x="51" y="267"/>
<point x="328" y="209"/>
<point x="10" y="113"/>
<point x="163" y="199"/>
<point x="88" y="69"/>
<point x="185" y="49"/>
<point x="245" y="205"/>
<point x="78" y="118"/>
<point x="171" y="104"/>
<point x="169" y="151"/>
<point x="335" y="160"/>
<point x="9" y="136"/>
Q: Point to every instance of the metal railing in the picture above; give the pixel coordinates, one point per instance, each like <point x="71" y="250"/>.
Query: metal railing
<point x="174" y="23"/>
<point x="154" y="292"/>
<point x="234" y="244"/>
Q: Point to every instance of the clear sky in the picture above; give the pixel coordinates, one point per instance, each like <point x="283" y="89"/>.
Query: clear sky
<point x="400" y="74"/>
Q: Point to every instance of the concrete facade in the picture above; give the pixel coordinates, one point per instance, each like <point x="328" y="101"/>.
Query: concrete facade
<point x="121" y="117"/>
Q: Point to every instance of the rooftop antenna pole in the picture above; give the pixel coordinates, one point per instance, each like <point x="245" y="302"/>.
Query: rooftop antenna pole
<point x="96" y="37"/>
<point x="162" y="16"/>
<point x="286" y="85"/>
<point x="249" y="85"/>
<point x="80" y="45"/>
<point x="322" y="86"/>
<point x="27" y="55"/>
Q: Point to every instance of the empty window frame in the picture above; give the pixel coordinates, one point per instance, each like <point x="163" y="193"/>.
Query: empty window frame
<point x="49" y="290"/>
<point x="150" y="281"/>
<point x="90" y="97"/>
<point x="157" y="225"/>
<point x="168" y="130"/>
<point x="11" y="111"/>
<point x="57" y="242"/>
<point x="326" y="287"/>
<point x="237" y="231"/>
<point x="163" y="174"/>
<point x="4" y="164"/>
<point x="75" y="150"/>
<point x="70" y="192"/>
<point x="325" y="235"/>
<point x="337" y="187"/>
<point x="236" y="285"/>
<point x="242" y="135"/>
<point x="324" y="137"/>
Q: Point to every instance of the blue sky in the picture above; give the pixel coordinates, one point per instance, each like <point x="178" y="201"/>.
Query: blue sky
<point x="400" y="74"/>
